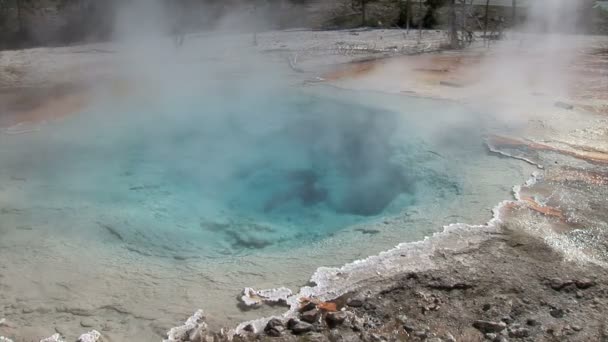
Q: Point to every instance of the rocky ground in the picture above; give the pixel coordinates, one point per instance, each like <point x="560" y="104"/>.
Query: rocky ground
<point x="520" y="291"/>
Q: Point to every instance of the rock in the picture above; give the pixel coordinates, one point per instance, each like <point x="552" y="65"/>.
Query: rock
<point x="507" y="319"/>
<point x="335" y="318"/>
<point x="450" y="338"/>
<point x="564" y="105"/>
<point x="369" y="306"/>
<point x="557" y="313"/>
<point x="249" y="328"/>
<point x="292" y="323"/>
<point x="402" y="319"/>
<point x="531" y="322"/>
<point x="489" y="327"/>
<point x="311" y="316"/>
<point x="357" y="323"/>
<point x="421" y="334"/>
<point x="519" y="332"/>
<point x="486" y="307"/>
<point x="274" y="327"/>
<point x="5" y="339"/>
<point x="434" y="339"/>
<point x="314" y="337"/>
<point x="91" y="336"/>
<point x="308" y="306"/>
<point x="490" y="336"/>
<point x="500" y="338"/>
<point x="87" y="323"/>
<point x="355" y="303"/>
<point x="409" y="328"/>
<point x="302" y="328"/>
<point x="274" y="322"/>
<point x="584" y="283"/>
<point x="557" y="284"/>
<point x="577" y="328"/>
<point x="579" y="294"/>
<point x="275" y="332"/>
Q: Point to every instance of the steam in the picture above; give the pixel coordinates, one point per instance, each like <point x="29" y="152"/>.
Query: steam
<point x="533" y="68"/>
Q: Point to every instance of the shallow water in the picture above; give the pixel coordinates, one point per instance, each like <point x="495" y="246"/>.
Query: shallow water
<point x="136" y="213"/>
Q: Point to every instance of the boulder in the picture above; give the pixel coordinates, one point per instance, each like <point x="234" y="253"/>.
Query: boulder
<point x="274" y="327"/>
<point x="311" y="316"/>
<point x="301" y="328"/>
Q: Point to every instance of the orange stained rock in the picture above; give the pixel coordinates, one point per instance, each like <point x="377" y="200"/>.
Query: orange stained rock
<point x="324" y="306"/>
<point x="545" y="210"/>
<point x="591" y="156"/>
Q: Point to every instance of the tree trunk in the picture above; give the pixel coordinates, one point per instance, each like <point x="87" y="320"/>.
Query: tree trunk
<point x="408" y="10"/>
<point x="420" y="22"/>
<point x="363" y="14"/>
<point x="453" y="26"/>
<point x="19" y="16"/>
<point x="485" y="28"/>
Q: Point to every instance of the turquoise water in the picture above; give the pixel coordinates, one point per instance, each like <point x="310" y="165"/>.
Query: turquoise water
<point x="203" y="176"/>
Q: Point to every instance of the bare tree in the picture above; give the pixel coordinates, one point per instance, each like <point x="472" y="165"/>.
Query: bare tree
<point x="408" y="9"/>
<point x="363" y="12"/>
<point x="420" y="22"/>
<point x="453" y="31"/>
<point x="485" y="26"/>
<point x="22" y="7"/>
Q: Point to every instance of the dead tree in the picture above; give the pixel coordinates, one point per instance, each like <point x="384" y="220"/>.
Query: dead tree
<point x="363" y="12"/>
<point x="485" y="26"/>
<point x="453" y="31"/>
<point x="420" y="22"/>
<point x="408" y="8"/>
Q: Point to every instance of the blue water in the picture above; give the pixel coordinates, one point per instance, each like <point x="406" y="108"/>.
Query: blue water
<point x="207" y="177"/>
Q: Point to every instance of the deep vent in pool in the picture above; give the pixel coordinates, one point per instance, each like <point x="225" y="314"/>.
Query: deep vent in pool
<point x="232" y="176"/>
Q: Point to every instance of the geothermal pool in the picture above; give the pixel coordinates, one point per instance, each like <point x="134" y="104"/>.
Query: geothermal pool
<point x="130" y="215"/>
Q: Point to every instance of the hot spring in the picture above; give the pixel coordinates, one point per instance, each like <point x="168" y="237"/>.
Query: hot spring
<point x="134" y="213"/>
